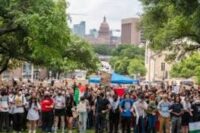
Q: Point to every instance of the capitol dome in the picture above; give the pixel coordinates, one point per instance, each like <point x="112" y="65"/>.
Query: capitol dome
<point x="104" y="28"/>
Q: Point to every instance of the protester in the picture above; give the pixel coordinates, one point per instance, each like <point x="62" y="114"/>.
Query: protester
<point x="140" y="107"/>
<point x="59" y="106"/>
<point x="176" y="110"/>
<point x="164" y="112"/>
<point x="187" y="115"/>
<point x="19" y="109"/>
<point x="33" y="113"/>
<point x="70" y="103"/>
<point x="47" y="105"/>
<point x="126" y="113"/>
<point x="4" y="111"/>
<point x="82" y="110"/>
<point x="196" y="109"/>
<point x="114" y="114"/>
<point x="151" y="115"/>
<point x="102" y="108"/>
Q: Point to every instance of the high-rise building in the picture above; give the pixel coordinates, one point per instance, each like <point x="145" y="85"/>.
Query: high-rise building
<point x="130" y="32"/>
<point x="93" y="33"/>
<point x="79" y="29"/>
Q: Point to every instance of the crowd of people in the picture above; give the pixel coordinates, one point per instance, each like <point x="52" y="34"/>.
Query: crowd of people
<point x="141" y="109"/>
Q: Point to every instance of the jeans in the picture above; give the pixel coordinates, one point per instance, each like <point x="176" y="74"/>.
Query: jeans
<point x="140" y="126"/>
<point x="90" y="119"/>
<point x="4" y="120"/>
<point x="151" y="123"/>
<point x="176" y="124"/>
<point x="100" y="123"/>
<point x="113" y="121"/>
<point x="47" y="121"/>
<point x="82" y="122"/>
<point x="18" y="121"/>
<point x="126" y="124"/>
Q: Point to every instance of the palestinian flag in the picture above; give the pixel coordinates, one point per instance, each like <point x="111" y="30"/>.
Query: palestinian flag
<point x="194" y="127"/>
<point x="76" y="95"/>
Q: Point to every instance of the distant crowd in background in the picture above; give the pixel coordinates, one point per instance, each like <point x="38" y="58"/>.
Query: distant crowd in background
<point x="103" y="109"/>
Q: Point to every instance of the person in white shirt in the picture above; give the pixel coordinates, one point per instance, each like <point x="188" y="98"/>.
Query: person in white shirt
<point x="19" y="105"/>
<point x="33" y="113"/>
<point x="140" y="107"/>
<point x="4" y="111"/>
<point x="11" y="97"/>
<point x="82" y="111"/>
<point x="59" y="107"/>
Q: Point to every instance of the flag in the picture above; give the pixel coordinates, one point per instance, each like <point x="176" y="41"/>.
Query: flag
<point x="119" y="91"/>
<point x="76" y="95"/>
<point x="194" y="127"/>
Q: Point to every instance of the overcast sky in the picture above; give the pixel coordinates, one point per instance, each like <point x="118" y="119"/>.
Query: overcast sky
<point x="93" y="11"/>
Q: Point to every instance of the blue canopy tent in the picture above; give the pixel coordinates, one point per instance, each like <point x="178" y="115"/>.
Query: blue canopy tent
<point x="120" y="79"/>
<point x="116" y="79"/>
<point x="95" y="79"/>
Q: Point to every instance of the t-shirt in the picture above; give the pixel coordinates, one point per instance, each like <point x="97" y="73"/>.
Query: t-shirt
<point x="163" y="108"/>
<point x="101" y="104"/>
<point x="126" y="105"/>
<point x="19" y="102"/>
<point x="177" y="108"/>
<point x="140" y="107"/>
<point x="45" y="105"/>
<point x="196" y="109"/>
<point x="4" y="105"/>
<point x="59" y="102"/>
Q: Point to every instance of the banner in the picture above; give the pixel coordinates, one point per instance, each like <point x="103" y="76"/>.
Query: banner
<point x="176" y="89"/>
<point x="194" y="127"/>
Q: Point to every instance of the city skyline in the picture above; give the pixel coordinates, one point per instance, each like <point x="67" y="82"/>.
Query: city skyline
<point x="92" y="11"/>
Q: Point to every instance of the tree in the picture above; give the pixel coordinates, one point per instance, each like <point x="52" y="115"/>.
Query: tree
<point x="36" y="31"/>
<point x="172" y="25"/>
<point x="79" y="55"/>
<point x="187" y="68"/>
<point x="136" y="67"/>
<point x="130" y="51"/>
<point x="119" y="64"/>
<point x="124" y="58"/>
<point x="32" y="30"/>
<point x="103" y="49"/>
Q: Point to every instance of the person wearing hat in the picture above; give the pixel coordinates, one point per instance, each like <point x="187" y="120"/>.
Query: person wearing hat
<point x="47" y="105"/>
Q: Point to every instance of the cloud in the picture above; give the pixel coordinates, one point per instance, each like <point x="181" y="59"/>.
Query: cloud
<point x="92" y="11"/>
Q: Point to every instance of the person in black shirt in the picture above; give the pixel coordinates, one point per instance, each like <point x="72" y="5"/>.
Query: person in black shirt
<point x="196" y="110"/>
<point x="102" y="106"/>
<point x="114" y="114"/>
<point x="176" y="110"/>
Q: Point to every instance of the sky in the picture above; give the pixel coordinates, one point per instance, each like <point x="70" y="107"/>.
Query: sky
<point x="93" y="11"/>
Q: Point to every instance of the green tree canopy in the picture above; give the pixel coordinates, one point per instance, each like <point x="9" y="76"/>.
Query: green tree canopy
<point x="136" y="66"/>
<point x="79" y="55"/>
<point x="167" y="23"/>
<point x="130" y="51"/>
<point x="36" y="31"/>
<point x="187" y="68"/>
<point x="103" y="49"/>
<point x="32" y="30"/>
<point x="125" y="56"/>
